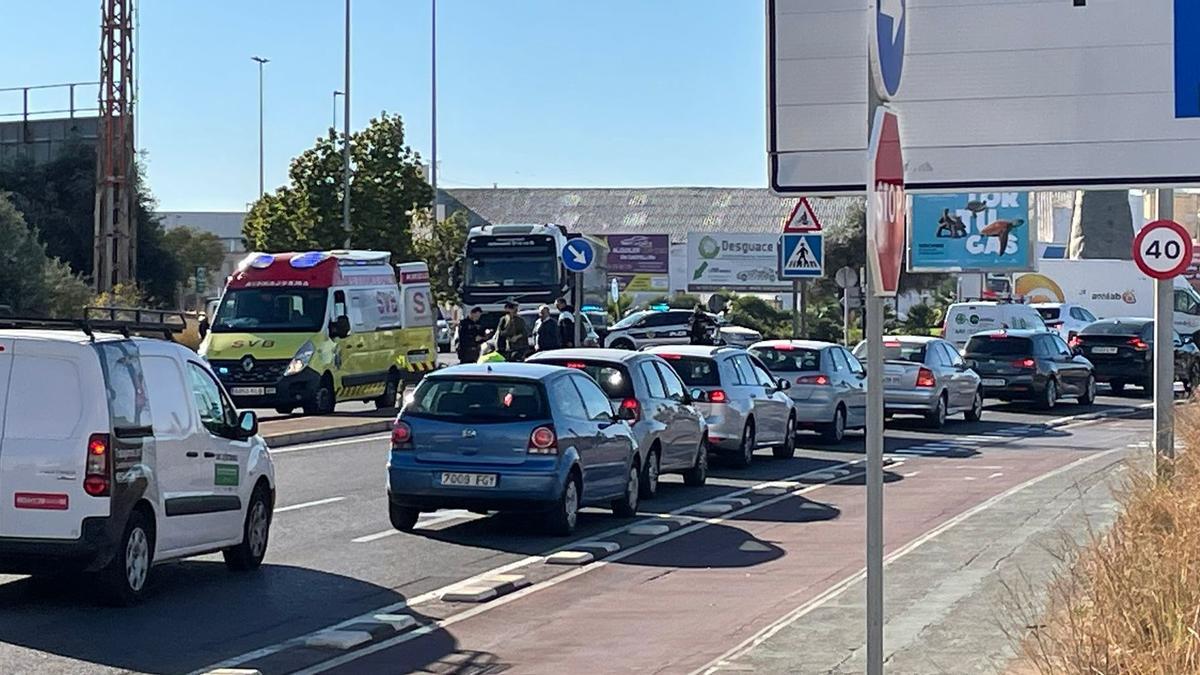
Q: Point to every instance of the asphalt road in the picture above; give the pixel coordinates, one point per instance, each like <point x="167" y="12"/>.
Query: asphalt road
<point x="333" y="556"/>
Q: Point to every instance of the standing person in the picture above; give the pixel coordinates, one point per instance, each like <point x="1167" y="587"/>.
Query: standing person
<point x="470" y="336"/>
<point x="512" y="336"/>
<point x="700" y="326"/>
<point x="566" y="323"/>
<point x="545" y="331"/>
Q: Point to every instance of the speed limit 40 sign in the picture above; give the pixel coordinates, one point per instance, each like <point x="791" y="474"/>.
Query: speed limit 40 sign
<point x="1163" y="249"/>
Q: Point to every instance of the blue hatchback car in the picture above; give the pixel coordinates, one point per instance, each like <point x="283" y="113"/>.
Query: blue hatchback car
<point x="511" y="437"/>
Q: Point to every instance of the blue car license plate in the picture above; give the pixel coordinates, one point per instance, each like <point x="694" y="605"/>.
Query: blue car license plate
<point x="453" y="479"/>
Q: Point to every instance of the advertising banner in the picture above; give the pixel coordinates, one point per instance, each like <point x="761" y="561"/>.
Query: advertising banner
<point x="971" y="232"/>
<point x="738" y="262"/>
<point x="640" y="263"/>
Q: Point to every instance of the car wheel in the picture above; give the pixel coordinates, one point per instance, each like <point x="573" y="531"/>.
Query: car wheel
<point x="388" y="398"/>
<point x="1117" y="387"/>
<point x="648" y="485"/>
<point x="787" y="449"/>
<point x="623" y="344"/>
<point x="976" y="410"/>
<point x="284" y="410"/>
<point x="1049" y="395"/>
<point x="124" y="580"/>
<point x="698" y="474"/>
<point x="1088" y="396"/>
<point x="627" y="505"/>
<point x="249" y="554"/>
<point x="404" y="518"/>
<point x="937" y="418"/>
<point x="323" y="400"/>
<point x="746" y="449"/>
<point x="561" y="520"/>
<point x="835" y="431"/>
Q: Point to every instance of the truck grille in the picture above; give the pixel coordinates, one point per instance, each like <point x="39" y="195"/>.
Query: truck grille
<point x="267" y="371"/>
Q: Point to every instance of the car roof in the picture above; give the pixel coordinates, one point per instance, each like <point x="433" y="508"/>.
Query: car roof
<point x="705" y="351"/>
<point x="589" y="354"/>
<point x="1011" y="332"/>
<point x="530" y="371"/>
<point x="1049" y="305"/>
<point x="71" y="336"/>
<point x="922" y="339"/>
<point x="803" y="344"/>
<point x="1132" y="320"/>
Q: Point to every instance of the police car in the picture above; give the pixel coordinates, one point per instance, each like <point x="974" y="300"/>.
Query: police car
<point x="651" y="328"/>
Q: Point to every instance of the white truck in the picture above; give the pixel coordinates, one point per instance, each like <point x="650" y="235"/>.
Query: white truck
<point x="1107" y="288"/>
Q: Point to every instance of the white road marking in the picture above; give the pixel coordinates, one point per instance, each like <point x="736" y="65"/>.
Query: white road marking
<point x="968" y="477"/>
<point x="843" y="585"/>
<point x="330" y="444"/>
<point x="996" y="475"/>
<point x="305" y="505"/>
<point x="426" y="520"/>
<point x="910" y="474"/>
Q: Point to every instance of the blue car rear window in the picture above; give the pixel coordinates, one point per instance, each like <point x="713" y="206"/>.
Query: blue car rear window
<point x="478" y="400"/>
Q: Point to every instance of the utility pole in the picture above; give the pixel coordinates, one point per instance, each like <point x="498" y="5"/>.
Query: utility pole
<point x="346" y="131"/>
<point x="261" y="62"/>
<point x="115" y="228"/>
<point x="433" y="110"/>
<point x="336" y="93"/>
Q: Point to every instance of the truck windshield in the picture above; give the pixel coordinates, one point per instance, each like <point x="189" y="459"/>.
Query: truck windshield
<point x="279" y="310"/>
<point x="495" y="269"/>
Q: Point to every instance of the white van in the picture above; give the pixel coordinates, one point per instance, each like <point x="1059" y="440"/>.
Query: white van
<point x="964" y="319"/>
<point x="119" y="453"/>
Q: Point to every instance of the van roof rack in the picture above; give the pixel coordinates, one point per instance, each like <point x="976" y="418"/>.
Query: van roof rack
<point x="127" y="321"/>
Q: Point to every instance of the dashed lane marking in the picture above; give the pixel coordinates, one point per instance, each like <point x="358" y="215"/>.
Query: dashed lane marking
<point x="305" y="505"/>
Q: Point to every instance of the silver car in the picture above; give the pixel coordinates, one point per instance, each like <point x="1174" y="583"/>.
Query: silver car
<point x="829" y="385"/>
<point x="745" y="407"/>
<point x="670" y="432"/>
<point x="926" y="376"/>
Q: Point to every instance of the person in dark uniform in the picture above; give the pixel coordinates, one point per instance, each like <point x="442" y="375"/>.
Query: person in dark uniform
<point x="700" y="327"/>
<point x="566" y="323"/>
<point x="470" y="336"/>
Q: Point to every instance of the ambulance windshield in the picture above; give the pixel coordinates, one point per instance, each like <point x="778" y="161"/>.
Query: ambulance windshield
<point x="280" y="310"/>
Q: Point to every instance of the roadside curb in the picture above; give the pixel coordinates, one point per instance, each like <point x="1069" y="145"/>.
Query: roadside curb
<point x="285" y="438"/>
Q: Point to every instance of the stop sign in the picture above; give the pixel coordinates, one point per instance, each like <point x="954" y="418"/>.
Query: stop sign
<point x="886" y="207"/>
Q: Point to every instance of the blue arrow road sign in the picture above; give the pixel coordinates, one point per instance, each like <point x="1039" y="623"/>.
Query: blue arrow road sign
<point x="802" y="256"/>
<point x="1187" y="59"/>
<point x="578" y="254"/>
<point x="890" y="27"/>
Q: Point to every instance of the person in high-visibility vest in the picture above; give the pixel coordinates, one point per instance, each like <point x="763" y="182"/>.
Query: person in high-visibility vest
<point x="488" y="354"/>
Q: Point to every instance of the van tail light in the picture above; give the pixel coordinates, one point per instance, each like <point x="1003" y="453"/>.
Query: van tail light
<point x="543" y="441"/>
<point x="1024" y="363"/>
<point x="632" y="404"/>
<point x="925" y="378"/>
<point x="96" y="481"/>
<point x="401" y="436"/>
<point x="820" y="380"/>
<point x="1138" y="344"/>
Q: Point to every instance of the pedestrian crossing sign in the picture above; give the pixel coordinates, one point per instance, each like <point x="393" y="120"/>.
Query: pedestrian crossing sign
<point x="802" y="256"/>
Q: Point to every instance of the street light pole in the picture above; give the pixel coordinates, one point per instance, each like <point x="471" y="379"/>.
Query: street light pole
<point x="336" y="94"/>
<point x="346" y="130"/>
<point x="261" y="62"/>
<point x="433" y="108"/>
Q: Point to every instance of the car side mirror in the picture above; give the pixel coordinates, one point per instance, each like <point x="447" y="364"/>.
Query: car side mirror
<point x="783" y="385"/>
<point x="247" y="423"/>
<point x="339" y="327"/>
<point x="696" y="394"/>
<point x="626" y="414"/>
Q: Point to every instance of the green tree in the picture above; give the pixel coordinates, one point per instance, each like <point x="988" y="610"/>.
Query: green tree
<point x="22" y="263"/>
<point x="67" y="294"/>
<point x="441" y="245"/>
<point x="194" y="249"/>
<point x="386" y="191"/>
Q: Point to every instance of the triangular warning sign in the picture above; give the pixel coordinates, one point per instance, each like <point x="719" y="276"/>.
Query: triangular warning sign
<point x="802" y="218"/>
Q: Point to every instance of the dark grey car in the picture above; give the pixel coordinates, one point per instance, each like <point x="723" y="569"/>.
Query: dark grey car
<point x="670" y="431"/>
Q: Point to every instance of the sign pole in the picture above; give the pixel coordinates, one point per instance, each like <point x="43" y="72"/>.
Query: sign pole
<point x="577" y="303"/>
<point x="1164" y="356"/>
<point x="797" y="309"/>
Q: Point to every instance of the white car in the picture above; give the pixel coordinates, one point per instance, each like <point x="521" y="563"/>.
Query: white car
<point x="1065" y="318"/>
<point x="120" y="453"/>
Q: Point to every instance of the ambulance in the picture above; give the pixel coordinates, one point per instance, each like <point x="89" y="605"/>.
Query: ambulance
<point x="311" y="330"/>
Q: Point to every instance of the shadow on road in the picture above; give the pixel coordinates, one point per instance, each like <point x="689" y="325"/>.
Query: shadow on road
<point x="198" y="614"/>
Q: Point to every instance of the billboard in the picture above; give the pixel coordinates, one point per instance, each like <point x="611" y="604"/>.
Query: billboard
<point x="970" y="232"/>
<point x="640" y="263"/>
<point x="994" y="95"/>
<point x="738" y="262"/>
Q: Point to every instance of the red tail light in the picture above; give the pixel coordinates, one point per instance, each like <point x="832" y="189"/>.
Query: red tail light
<point x="1024" y="363"/>
<point x="891" y="344"/>
<point x="401" y="435"/>
<point x="925" y="378"/>
<point x="672" y="357"/>
<point x="784" y="348"/>
<point x="717" y="396"/>
<point x="632" y="404"/>
<point x="820" y="380"/>
<point x="543" y="441"/>
<point x="1138" y="344"/>
<point x="96" y="480"/>
<point x="577" y="365"/>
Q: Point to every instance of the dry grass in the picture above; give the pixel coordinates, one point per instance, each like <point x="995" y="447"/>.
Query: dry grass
<point x="1128" y="601"/>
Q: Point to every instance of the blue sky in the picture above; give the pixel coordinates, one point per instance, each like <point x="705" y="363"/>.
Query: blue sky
<point x="530" y="92"/>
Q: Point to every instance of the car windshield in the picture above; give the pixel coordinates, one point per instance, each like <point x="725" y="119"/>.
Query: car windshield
<point x="994" y="345"/>
<point x="478" y="400"/>
<point x="278" y="310"/>
<point x="613" y="378"/>
<point x="1117" y="327"/>
<point x="695" y="371"/>
<point x="789" y="359"/>
<point x="631" y="320"/>
<point x="1049" y="313"/>
<point x="512" y="269"/>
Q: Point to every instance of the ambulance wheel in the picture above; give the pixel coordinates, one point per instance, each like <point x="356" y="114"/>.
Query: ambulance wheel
<point x="323" y="400"/>
<point x="388" y="398"/>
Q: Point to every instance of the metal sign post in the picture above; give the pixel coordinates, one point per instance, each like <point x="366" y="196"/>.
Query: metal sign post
<point x="577" y="257"/>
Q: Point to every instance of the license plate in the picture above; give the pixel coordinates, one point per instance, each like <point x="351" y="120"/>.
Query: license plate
<point x="890" y="380"/>
<point x="418" y="358"/>
<point x="469" y="479"/>
<point x="992" y="382"/>
<point x="1104" y="350"/>
<point x="251" y="391"/>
